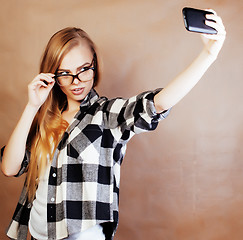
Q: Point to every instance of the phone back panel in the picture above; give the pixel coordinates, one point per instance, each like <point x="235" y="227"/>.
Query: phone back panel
<point x="194" y="20"/>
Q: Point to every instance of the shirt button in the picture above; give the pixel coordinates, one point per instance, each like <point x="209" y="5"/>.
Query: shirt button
<point x="54" y="175"/>
<point x="53" y="199"/>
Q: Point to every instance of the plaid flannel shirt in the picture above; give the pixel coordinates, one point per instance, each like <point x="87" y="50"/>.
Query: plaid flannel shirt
<point x="84" y="179"/>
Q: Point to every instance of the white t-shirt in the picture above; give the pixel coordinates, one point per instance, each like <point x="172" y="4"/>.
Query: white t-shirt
<point x="38" y="213"/>
<point x="93" y="233"/>
<point x="38" y="217"/>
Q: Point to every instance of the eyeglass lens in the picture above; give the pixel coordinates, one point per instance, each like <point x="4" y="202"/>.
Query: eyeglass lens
<point x="84" y="76"/>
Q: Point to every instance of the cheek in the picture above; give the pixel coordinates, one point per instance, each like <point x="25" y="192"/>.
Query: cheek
<point x="89" y="85"/>
<point x="64" y="90"/>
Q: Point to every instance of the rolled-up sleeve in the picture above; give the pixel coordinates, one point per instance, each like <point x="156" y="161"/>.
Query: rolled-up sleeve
<point x="24" y="164"/>
<point x="137" y="114"/>
<point x="147" y="117"/>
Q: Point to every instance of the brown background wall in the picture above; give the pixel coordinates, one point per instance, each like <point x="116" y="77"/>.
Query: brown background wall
<point x="183" y="181"/>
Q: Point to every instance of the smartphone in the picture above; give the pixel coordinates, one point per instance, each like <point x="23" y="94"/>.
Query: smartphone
<point x="194" y="20"/>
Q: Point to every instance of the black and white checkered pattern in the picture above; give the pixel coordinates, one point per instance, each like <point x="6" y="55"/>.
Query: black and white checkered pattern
<point x="84" y="179"/>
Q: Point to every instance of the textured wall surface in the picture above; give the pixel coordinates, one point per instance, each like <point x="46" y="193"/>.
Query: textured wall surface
<point x="183" y="181"/>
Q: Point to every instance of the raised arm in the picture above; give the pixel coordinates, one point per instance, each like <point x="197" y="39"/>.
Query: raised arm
<point x="184" y="82"/>
<point x="14" y="151"/>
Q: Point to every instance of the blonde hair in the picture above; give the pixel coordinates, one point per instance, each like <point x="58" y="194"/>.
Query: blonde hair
<point x="48" y="125"/>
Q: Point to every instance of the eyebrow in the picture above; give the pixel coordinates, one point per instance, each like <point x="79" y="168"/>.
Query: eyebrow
<point x="78" y="69"/>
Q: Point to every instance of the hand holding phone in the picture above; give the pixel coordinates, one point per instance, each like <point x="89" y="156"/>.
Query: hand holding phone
<point x="210" y="25"/>
<point x="194" y="20"/>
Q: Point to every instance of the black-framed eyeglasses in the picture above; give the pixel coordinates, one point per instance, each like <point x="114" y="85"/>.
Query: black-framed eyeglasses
<point x="86" y="74"/>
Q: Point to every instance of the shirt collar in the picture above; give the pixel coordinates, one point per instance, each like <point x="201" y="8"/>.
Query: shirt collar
<point x="90" y="99"/>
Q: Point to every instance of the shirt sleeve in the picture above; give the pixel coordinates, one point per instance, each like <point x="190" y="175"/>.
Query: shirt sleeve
<point x="137" y="114"/>
<point x="24" y="164"/>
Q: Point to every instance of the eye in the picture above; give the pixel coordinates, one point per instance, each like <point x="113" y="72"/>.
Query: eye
<point x="64" y="73"/>
<point x="85" y="69"/>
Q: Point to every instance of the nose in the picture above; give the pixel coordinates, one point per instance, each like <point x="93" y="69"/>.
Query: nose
<point x="76" y="80"/>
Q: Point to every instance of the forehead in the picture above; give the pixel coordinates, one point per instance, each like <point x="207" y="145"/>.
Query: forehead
<point x="76" y="57"/>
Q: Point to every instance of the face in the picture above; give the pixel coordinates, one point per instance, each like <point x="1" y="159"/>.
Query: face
<point x="73" y="62"/>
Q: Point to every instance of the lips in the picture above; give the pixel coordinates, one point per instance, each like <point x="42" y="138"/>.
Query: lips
<point x="77" y="91"/>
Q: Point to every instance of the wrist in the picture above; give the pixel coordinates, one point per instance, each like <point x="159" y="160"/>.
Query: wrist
<point x="31" y="108"/>
<point x="209" y="55"/>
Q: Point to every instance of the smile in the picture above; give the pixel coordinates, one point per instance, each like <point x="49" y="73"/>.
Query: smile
<point x="77" y="91"/>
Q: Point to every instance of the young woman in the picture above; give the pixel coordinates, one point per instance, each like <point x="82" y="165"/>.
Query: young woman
<point x="71" y="142"/>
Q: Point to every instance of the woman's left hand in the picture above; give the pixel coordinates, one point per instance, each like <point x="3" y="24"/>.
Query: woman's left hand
<point x="214" y="42"/>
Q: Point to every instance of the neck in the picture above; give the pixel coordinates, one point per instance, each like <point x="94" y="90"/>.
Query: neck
<point x="73" y="106"/>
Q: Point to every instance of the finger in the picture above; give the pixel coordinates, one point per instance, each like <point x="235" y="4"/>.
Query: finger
<point x="38" y="84"/>
<point x="214" y="36"/>
<point x="50" y="85"/>
<point x="42" y="77"/>
<point x="47" y="76"/>
<point x="211" y="10"/>
<point x="214" y="18"/>
<point x="50" y="74"/>
<point x="220" y="28"/>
